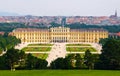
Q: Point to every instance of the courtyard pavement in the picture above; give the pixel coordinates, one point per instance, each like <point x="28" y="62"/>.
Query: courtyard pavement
<point x="58" y="50"/>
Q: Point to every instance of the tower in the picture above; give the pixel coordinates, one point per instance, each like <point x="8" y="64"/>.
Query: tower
<point x="115" y="13"/>
<point x="63" y="22"/>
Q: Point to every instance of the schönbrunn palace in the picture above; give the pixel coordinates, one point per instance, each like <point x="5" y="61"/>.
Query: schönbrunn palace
<point x="59" y="34"/>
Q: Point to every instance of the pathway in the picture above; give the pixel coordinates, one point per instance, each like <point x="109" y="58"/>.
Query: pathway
<point x="58" y="50"/>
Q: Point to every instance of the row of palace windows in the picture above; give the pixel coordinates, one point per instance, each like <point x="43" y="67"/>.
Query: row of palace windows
<point x="62" y="30"/>
<point x="59" y="38"/>
<point x="35" y="38"/>
<point x="36" y="41"/>
<point x="57" y="34"/>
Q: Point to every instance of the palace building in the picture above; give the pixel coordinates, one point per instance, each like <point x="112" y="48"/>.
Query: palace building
<point x="59" y="34"/>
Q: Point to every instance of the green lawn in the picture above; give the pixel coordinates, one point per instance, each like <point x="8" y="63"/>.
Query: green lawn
<point x="37" y="49"/>
<point x="78" y="45"/>
<point x="40" y="55"/>
<point x="80" y="49"/>
<point x="40" y="45"/>
<point x="59" y="73"/>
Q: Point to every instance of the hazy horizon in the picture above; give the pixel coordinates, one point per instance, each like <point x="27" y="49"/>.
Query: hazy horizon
<point x="61" y="7"/>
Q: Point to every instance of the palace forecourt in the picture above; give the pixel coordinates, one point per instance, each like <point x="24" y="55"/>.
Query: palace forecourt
<point x="59" y="34"/>
<point x="59" y="37"/>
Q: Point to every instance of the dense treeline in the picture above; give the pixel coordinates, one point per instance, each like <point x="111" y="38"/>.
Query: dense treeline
<point x="17" y="59"/>
<point x="110" y="57"/>
<point x="7" y="27"/>
<point x="110" y="28"/>
<point x="75" y="61"/>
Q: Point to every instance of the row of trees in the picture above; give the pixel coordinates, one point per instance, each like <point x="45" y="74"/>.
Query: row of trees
<point x="17" y="59"/>
<point x="75" y="61"/>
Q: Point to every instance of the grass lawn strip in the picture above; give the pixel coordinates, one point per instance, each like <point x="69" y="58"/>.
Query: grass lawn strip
<point x="36" y="49"/>
<point x="59" y="73"/>
<point x="40" y="55"/>
<point x="40" y="44"/>
<point x="80" y="49"/>
<point x="78" y="45"/>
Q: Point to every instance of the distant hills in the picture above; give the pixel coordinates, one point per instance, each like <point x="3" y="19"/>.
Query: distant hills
<point x="8" y="14"/>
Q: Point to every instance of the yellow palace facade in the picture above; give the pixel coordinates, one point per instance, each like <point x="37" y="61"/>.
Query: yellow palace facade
<point x="59" y="34"/>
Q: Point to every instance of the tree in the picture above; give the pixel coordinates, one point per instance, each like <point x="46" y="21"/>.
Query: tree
<point x="22" y="57"/>
<point x="3" y="64"/>
<point x="30" y="61"/>
<point x="58" y="64"/>
<point x="12" y="41"/>
<point x="68" y="62"/>
<point x="8" y="42"/>
<point x="79" y="61"/>
<point x="89" y="60"/>
<point x="3" y="43"/>
<point x="12" y="58"/>
<point x="35" y="63"/>
<point x="110" y="57"/>
<point x="41" y="64"/>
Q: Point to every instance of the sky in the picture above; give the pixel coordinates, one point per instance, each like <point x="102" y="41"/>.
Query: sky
<point x="61" y="7"/>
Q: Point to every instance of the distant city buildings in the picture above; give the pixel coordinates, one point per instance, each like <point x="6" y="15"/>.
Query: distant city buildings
<point x="46" y="20"/>
<point x="114" y="35"/>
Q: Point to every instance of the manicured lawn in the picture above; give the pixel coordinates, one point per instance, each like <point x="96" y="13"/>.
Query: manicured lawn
<point x="59" y="73"/>
<point x="40" y="55"/>
<point x="37" y="49"/>
<point x="80" y="49"/>
<point x="40" y="45"/>
<point x="78" y="45"/>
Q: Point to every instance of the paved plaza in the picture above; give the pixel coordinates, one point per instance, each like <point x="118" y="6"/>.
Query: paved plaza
<point x="58" y="50"/>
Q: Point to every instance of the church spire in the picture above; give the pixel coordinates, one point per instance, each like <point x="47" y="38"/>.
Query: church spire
<point x="63" y="22"/>
<point x="115" y="13"/>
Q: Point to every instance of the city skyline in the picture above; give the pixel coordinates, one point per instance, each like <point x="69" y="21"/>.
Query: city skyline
<point x="61" y="7"/>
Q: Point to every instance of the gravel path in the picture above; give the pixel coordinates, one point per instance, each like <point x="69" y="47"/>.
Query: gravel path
<point x="58" y="50"/>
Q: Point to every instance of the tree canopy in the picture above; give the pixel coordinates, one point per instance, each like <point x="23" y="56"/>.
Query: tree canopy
<point x="7" y="42"/>
<point x="110" y="57"/>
